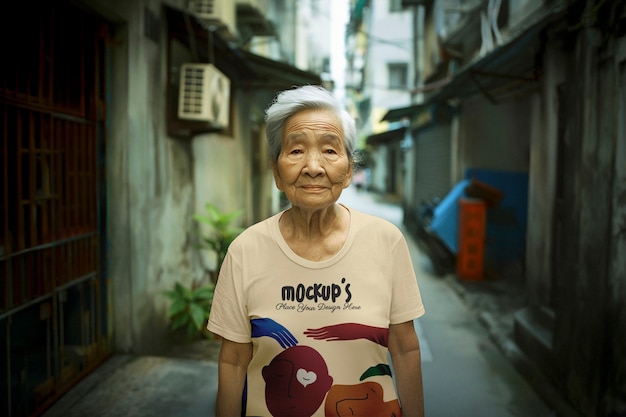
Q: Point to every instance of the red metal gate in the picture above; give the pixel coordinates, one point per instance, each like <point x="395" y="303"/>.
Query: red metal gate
<point x="52" y="281"/>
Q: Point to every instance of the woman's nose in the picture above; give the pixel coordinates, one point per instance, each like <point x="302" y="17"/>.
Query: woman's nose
<point x="313" y="163"/>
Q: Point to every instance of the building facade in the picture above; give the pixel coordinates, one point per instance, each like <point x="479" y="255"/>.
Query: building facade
<point x="104" y="164"/>
<point x="381" y="74"/>
<point x="535" y="90"/>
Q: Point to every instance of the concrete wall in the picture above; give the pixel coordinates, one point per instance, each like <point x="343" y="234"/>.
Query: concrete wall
<point x="575" y="268"/>
<point x="150" y="183"/>
<point x="493" y="136"/>
<point x="589" y="306"/>
<point x="542" y="179"/>
<point x="155" y="183"/>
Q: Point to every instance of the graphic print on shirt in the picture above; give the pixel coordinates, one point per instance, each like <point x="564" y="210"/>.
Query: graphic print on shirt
<point x="296" y="382"/>
<point x="365" y="399"/>
<point x="317" y="297"/>
<point x="298" y="379"/>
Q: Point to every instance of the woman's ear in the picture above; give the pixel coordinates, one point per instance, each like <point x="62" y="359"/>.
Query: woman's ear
<point x="348" y="178"/>
<point x="277" y="180"/>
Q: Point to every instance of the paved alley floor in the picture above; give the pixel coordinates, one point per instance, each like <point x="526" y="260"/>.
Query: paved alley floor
<point x="464" y="372"/>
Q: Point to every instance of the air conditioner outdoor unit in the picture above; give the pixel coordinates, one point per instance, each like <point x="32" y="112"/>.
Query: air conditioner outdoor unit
<point x="206" y="9"/>
<point x="217" y="15"/>
<point x="204" y="94"/>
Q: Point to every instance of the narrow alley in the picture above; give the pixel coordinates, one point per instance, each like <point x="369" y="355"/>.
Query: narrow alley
<point x="465" y="373"/>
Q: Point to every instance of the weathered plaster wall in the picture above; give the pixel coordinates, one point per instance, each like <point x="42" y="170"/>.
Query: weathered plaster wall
<point x="150" y="184"/>
<point x="542" y="179"/>
<point x="616" y="395"/>
<point x="590" y="289"/>
<point x="160" y="188"/>
<point x="214" y="156"/>
<point x="494" y="136"/>
<point x="156" y="183"/>
<point x="118" y="213"/>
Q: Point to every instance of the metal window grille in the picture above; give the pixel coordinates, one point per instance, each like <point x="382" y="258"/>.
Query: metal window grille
<point x="52" y="313"/>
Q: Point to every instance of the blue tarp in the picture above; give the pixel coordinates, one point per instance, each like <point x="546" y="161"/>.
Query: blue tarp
<point x="506" y="222"/>
<point x="445" y="217"/>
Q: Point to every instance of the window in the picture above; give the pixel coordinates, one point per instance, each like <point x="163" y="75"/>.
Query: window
<point x="395" y="6"/>
<point x="398" y="75"/>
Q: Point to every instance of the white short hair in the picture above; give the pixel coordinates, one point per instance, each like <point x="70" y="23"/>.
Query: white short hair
<point x="308" y="97"/>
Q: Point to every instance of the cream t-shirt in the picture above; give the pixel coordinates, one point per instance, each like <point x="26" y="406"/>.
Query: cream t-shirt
<point x="319" y="329"/>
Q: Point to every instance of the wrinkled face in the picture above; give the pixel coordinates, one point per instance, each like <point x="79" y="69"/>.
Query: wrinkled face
<point x="313" y="167"/>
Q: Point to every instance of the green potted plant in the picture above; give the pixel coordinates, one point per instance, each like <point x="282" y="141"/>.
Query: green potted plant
<point x="190" y="306"/>
<point x="222" y="232"/>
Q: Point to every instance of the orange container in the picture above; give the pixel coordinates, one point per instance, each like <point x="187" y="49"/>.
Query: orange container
<point x="471" y="249"/>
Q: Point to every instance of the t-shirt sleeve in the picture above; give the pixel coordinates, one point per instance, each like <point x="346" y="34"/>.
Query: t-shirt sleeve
<point x="229" y="317"/>
<point x="406" y="301"/>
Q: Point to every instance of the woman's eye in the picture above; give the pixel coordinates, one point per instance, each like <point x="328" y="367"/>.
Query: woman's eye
<point x="330" y="151"/>
<point x="296" y="151"/>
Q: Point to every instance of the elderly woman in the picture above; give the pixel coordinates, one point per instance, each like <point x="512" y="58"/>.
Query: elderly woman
<point x="310" y="301"/>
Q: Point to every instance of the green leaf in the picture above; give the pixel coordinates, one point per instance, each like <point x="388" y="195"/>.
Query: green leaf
<point x="187" y="293"/>
<point x="191" y="330"/>
<point x="212" y="244"/>
<point x="213" y="213"/>
<point x="178" y="306"/>
<point x="203" y="293"/>
<point x="180" y="290"/>
<point x="179" y="322"/>
<point x="222" y="233"/>
<point x="197" y="315"/>
<point x="202" y="219"/>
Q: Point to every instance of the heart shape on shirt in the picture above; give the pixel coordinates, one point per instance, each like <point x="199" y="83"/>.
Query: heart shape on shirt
<point x="306" y="378"/>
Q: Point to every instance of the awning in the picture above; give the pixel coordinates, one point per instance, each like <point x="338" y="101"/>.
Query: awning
<point x="423" y="115"/>
<point x="243" y="68"/>
<point x="386" y="137"/>
<point x="511" y="69"/>
<point x="400" y="113"/>
<point x="276" y="75"/>
<point x="250" y="23"/>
